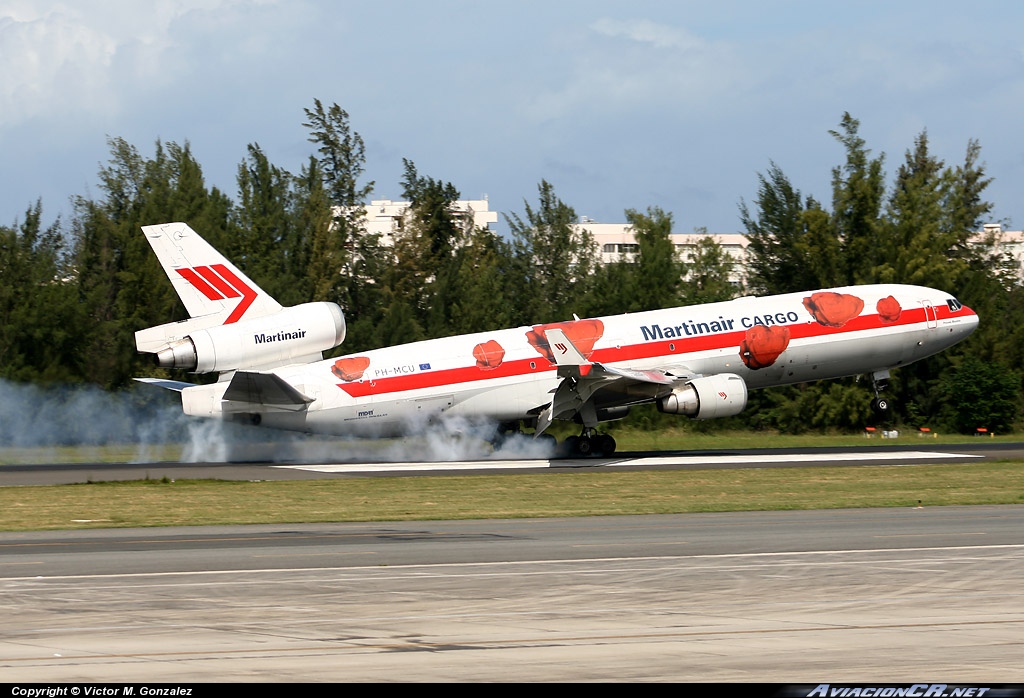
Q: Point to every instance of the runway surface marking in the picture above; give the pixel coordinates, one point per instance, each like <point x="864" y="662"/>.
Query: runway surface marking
<point x="651" y="461"/>
<point x="425" y="570"/>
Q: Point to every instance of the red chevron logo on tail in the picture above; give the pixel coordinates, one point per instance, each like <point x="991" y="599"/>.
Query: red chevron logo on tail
<point x="219" y="283"/>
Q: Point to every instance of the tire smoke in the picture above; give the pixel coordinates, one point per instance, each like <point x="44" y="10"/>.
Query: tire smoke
<point x="149" y="422"/>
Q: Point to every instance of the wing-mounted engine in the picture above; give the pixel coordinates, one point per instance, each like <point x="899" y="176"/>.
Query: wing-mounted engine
<point x="707" y="397"/>
<point x="291" y="335"/>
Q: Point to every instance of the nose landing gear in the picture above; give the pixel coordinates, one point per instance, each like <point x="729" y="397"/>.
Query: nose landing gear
<point x="880" y="381"/>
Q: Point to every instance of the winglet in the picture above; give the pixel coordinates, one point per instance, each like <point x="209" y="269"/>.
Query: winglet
<point x="564" y="351"/>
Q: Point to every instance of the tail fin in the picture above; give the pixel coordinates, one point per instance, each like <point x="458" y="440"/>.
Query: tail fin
<point x="208" y="284"/>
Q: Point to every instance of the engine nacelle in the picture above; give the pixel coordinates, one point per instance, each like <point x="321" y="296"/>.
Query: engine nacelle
<point x="264" y="342"/>
<point x="723" y="395"/>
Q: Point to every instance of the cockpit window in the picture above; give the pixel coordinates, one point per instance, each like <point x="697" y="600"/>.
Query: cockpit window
<point x="954" y="305"/>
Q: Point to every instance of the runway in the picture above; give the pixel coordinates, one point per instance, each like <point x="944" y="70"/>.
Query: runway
<point x="796" y="597"/>
<point x="918" y="453"/>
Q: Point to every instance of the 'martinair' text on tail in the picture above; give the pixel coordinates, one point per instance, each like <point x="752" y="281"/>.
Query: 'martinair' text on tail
<point x="698" y="361"/>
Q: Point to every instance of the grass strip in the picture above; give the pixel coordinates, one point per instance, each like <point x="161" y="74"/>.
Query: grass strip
<point x="210" y="502"/>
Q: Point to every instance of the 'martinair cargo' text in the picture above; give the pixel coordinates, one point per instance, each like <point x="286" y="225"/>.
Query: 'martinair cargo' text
<point x="689" y="328"/>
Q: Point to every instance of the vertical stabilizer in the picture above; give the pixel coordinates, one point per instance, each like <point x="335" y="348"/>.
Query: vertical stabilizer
<point x="207" y="283"/>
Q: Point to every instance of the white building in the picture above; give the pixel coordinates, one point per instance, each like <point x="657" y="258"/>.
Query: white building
<point x="384" y="217"/>
<point x="1009" y="242"/>
<point x="617" y="239"/>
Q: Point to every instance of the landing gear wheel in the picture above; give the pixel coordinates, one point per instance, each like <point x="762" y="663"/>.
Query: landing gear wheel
<point x="569" y="447"/>
<point x="587" y="446"/>
<point x="584" y="446"/>
<point x="604" y="445"/>
<point x="502" y="433"/>
<point x="880" y="405"/>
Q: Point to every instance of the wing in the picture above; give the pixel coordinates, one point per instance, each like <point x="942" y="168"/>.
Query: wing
<point x="591" y="390"/>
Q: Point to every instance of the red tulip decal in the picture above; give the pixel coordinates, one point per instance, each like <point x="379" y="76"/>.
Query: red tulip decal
<point x="889" y="309"/>
<point x="582" y="333"/>
<point x="488" y="354"/>
<point x="833" y="309"/>
<point x="350" y="369"/>
<point x="762" y="345"/>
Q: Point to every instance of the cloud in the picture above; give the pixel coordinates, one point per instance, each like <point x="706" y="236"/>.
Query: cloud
<point x="644" y="31"/>
<point x="49" y="60"/>
<point x="83" y="58"/>
<point x="631" y="66"/>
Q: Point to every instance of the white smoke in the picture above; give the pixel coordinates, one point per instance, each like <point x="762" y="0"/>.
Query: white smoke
<point x="459" y="438"/>
<point x="146" y="425"/>
<point x="449" y="439"/>
<point x="44" y="419"/>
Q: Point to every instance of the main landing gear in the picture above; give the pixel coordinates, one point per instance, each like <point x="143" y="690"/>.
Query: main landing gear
<point x="589" y="444"/>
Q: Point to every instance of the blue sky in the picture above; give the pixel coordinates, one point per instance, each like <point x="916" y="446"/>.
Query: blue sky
<point x="619" y="105"/>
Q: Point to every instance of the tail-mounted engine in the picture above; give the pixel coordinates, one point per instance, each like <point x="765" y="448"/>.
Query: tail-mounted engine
<point x="722" y="395"/>
<point x="290" y="335"/>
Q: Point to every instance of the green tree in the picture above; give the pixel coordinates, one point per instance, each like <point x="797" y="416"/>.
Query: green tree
<point x="658" y="267"/>
<point x="323" y="252"/>
<point x="981" y="394"/>
<point x="342" y="157"/>
<point x="915" y="244"/>
<point x="39" y="313"/>
<point x="425" y="266"/>
<point x="481" y="299"/>
<point x="555" y="258"/>
<point x="119" y="280"/>
<point x="343" y="259"/>
<point x="964" y="205"/>
<point x="612" y="287"/>
<point x="645" y="279"/>
<point x="709" y="267"/>
<point x="790" y="243"/>
<point x="268" y="245"/>
<point x="858" y="191"/>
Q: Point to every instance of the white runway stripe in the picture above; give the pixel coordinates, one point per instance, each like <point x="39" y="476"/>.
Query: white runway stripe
<point x="708" y="459"/>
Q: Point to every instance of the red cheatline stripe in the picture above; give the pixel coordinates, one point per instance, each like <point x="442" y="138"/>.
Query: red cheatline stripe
<point x="215" y="280"/>
<point x="248" y="294"/>
<point x="633" y="352"/>
<point x="200" y="285"/>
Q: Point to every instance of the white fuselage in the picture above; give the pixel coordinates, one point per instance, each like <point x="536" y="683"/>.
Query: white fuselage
<point x="508" y="375"/>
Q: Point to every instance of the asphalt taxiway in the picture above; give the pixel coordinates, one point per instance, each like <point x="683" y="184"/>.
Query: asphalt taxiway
<point x="793" y="597"/>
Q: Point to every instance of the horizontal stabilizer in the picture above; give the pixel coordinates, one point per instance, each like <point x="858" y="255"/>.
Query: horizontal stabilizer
<point x="263" y="389"/>
<point x="166" y="384"/>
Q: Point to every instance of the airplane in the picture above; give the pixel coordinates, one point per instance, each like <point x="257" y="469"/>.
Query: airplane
<point x="699" y="361"/>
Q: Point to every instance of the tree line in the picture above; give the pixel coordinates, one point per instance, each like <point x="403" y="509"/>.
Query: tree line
<point x="73" y="293"/>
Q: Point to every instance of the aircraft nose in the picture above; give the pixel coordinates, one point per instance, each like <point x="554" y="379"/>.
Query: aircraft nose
<point x="970" y="321"/>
